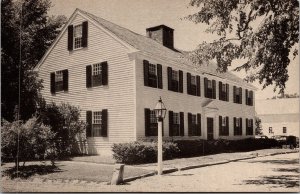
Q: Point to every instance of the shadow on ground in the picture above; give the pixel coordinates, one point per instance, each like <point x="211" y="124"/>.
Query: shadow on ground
<point x="30" y="170"/>
<point x="294" y="161"/>
<point x="286" y="181"/>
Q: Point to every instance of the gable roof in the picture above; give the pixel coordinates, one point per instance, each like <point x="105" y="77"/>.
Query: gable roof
<point x="151" y="47"/>
<point x="277" y="106"/>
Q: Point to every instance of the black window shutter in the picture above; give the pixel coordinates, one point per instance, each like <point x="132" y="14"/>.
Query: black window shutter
<point x="220" y="126"/>
<point x="234" y="126"/>
<point x="65" y="80"/>
<point x="181" y="123"/>
<point x="227" y="125"/>
<point x="170" y="123"/>
<point x="89" y="123"/>
<point x="234" y="92"/>
<point x="246" y="97"/>
<point x="89" y="76"/>
<point x="251" y="97"/>
<point x="180" y="81"/>
<point x="104" y="123"/>
<point x="214" y="88"/>
<point x="169" y="78"/>
<point x="227" y="92"/>
<point x="205" y="87"/>
<point x="241" y="95"/>
<point x="52" y="83"/>
<point x="199" y="124"/>
<point x="220" y="91"/>
<point x="241" y="126"/>
<point x="104" y="72"/>
<point x="70" y="37"/>
<point x="247" y="127"/>
<point x="84" y="34"/>
<point x="188" y="82"/>
<point x="198" y="85"/>
<point x="189" y="124"/>
<point x="159" y="76"/>
<point x="146" y="72"/>
<point x="147" y="121"/>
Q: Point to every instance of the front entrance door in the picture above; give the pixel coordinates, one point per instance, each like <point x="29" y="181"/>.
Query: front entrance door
<point x="210" y="128"/>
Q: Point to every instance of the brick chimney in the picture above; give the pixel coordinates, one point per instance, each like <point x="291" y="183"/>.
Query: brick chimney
<point x="162" y="34"/>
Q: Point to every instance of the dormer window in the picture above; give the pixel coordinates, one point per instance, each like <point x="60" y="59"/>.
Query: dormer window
<point x="78" y="36"/>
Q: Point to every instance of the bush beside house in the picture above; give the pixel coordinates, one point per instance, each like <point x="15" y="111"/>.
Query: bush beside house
<point x="146" y="152"/>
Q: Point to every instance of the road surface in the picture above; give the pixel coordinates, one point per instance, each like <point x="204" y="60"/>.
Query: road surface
<point x="279" y="173"/>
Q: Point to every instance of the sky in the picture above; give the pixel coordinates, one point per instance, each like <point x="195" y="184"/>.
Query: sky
<point x="137" y="15"/>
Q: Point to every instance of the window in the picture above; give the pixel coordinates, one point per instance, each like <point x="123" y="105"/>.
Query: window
<point x="238" y="127"/>
<point x="249" y="126"/>
<point x="96" y="123"/>
<point x="223" y="91"/>
<point x="151" y="126"/>
<point x="175" y="80"/>
<point x="223" y="126"/>
<point x="96" y="74"/>
<point x="176" y="123"/>
<point x="209" y="88"/>
<point x="284" y="129"/>
<point x="59" y="81"/>
<point x="194" y="124"/>
<point x="193" y="80"/>
<point x="152" y="75"/>
<point x="270" y="130"/>
<point x="193" y="84"/>
<point x="249" y="98"/>
<point x="237" y="95"/>
<point x="78" y="36"/>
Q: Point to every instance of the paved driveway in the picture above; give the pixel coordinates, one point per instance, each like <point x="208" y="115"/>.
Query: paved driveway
<point x="278" y="173"/>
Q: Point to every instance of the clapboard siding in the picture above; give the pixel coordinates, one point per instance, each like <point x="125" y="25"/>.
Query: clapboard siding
<point x="147" y="97"/>
<point x="117" y="96"/>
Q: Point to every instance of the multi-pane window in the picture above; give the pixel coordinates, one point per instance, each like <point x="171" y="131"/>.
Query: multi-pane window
<point x="152" y="69"/>
<point x="176" y="124"/>
<point x="284" y="129"/>
<point x="97" y="124"/>
<point x="153" y="124"/>
<point x="249" y="126"/>
<point x="209" y="88"/>
<point x="223" y="91"/>
<point x="78" y="36"/>
<point x="249" y="97"/>
<point x="152" y="75"/>
<point x="97" y="75"/>
<point x="59" y="81"/>
<point x="193" y="80"/>
<point x="223" y="126"/>
<point x="237" y="95"/>
<point x="237" y="126"/>
<point x="175" y="80"/>
<point x="270" y="130"/>
<point x="193" y="84"/>
<point x="174" y="75"/>
<point x="194" y="124"/>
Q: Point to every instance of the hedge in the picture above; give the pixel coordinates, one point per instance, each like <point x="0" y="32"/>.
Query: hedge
<point x="146" y="152"/>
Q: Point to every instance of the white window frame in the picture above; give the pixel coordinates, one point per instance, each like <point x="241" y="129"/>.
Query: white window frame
<point x="97" y="69"/>
<point x="152" y="117"/>
<point x="152" y="69"/>
<point x="237" y="122"/>
<point x="58" y="76"/>
<point x="209" y="84"/>
<point x="77" y="36"/>
<point x="176" y="118"/>
<point x="224" y="121"/>
<point x="97" y="117"/>
<point x="193" y="80"/>
<point x="175" y="75"/>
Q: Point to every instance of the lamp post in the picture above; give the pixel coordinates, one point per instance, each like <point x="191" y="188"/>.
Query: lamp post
<point x="160" y="113"/>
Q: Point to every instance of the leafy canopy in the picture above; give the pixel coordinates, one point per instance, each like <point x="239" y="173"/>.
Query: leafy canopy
<point x="263" y="32"/>
<point x="37" y="31"/>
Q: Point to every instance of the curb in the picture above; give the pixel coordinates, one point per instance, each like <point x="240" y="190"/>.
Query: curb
<point x="203" y="165"/>
<point x="138" y="177"/>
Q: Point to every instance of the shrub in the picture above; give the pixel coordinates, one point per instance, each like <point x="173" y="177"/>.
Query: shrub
<point x="142" y="152"/>
<point x="65" y="123"/>
<point x="35" y="141"/>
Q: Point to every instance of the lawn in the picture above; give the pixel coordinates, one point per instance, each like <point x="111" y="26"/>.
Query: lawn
<point x="69" y="170"/>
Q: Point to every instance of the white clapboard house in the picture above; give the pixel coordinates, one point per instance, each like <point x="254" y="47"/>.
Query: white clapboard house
<point x="116" y="77"/>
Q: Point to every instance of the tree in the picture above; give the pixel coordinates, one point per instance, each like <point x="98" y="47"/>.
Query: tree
<point x="34" y="140"/>
<point x="258" y="128"/>
<point x="36" y="31"/>
<point x="263" y="32"/>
